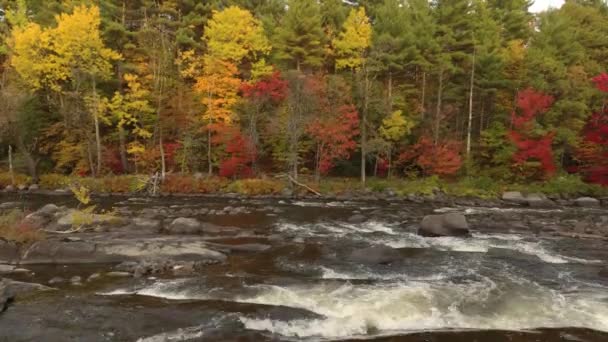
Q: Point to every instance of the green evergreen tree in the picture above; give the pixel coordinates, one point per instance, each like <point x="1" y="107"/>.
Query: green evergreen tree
<point x="299" y="38"/>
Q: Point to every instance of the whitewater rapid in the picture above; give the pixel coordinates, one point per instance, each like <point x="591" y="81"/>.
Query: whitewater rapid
<point x="461" y="283"/>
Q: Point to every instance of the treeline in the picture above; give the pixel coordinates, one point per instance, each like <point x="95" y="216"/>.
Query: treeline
<point x="243" y="88"/>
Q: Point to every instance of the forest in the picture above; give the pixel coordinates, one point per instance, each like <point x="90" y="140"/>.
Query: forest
<point x="311" y="89"/>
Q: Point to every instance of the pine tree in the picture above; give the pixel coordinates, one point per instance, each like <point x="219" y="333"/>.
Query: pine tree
<point x="299" y="38"/>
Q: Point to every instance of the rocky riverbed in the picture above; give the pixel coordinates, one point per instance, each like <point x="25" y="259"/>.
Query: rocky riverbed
<point x="226" y="269"/>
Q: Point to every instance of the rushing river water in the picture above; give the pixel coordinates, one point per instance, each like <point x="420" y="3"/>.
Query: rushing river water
<point x="494" y="286"/>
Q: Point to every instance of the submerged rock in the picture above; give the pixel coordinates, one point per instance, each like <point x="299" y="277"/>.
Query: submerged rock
<point x="451" y="224"/>
<point x="9" y="252"/>
<point x="514" y="197"/>
<point x="10" y="289"/>
<point x="56" y="280"/>
<point x="375" y="255"/>
<point x="117" y="274"/>
<point x="184" y="225"/>
<point x="6" y="269"/>
<point x="146" y="223"/>
<point x="587" y="202"/>
<point x="357" y="218"/>
<point x="536" y="200"/>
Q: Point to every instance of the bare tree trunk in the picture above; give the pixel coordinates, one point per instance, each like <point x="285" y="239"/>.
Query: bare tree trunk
<point x="318" y="164"/>
<point x="470" y="121"/>
<point x="423" y="99"/>
<point x="438" y="110"/>
<point x="364" y="126"/>
<point x="123" y="149"/>
<point x="96" y="121"/>
<point x="390" y="92"/>
<point x="376" y="166"/>
<point x="210" y="166"/>
<point x="30" y="162"/>
<point x="90" y="155"/>
<point x="390" y="159"/>
<point x="481" y="118"/>
<point x="10" y="164"/>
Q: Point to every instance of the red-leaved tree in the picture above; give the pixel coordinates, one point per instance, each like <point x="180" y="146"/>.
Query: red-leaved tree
<point x="442" y="159"/>
<point x="262" y="97"/>
<point x="530" y="146"/>
<point x="334" y="137"/>
<point x="592" y="153"/>
<point x="238" y="153"/>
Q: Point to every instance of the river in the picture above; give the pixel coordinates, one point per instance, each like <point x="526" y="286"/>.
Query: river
<point x="498" y="285"/>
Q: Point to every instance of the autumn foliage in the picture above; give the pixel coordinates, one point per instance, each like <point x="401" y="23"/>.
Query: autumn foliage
<point x="238" y="154"/>
<point x="442" y="159"/>
<point x="335" y="137"/>
<point x="272" y="88"/>
<point x="531" y="146"/>
<point x="592" y="153"/>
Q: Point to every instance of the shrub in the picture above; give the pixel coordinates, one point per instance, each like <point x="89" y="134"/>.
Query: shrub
<point x="569" y="185"/>
<point x="480" y="186"/>
<point x="5" y="179"/>
<point x="422" y="186"/>
<point x="252" y="187"/>
<point x="14" y="228"/>
<point x="190" y="184"/>
<point x="54" y="181"/>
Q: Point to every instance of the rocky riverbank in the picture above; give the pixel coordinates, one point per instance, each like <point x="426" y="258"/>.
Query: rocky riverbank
<point x="230" y="242"/>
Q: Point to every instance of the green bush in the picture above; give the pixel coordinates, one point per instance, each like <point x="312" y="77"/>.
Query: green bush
<point x="53" y="181"/>
<point x="480" y="186"/>
<point x="252" y="187"/>
<point x="422" y="186"/>
<point x="567" y="185"/>
<point x="5" y="179"/>
<point x="14" y="228"/>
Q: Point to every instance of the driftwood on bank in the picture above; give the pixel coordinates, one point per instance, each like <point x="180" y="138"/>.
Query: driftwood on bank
<point x="302" y="185"/>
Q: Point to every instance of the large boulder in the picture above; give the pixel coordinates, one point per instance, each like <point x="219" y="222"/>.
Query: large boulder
<point x="10" y="289"/>
<point x="357" y="218"/>
<point x="451" y="224"/>
<point x="6" y="269"/>
<point x="184" y="225"/>
<point x="375" y="255"/>
<point x="536" y="200"/>
<point x="43" y="215"/>
<point x="60" y="252"/>
<point x="587" y="202"/>
<point x="514" y="197"/>
<point x="146" y="223"/>
<point x="10" y="205"/>
<point x="9" y="252"/>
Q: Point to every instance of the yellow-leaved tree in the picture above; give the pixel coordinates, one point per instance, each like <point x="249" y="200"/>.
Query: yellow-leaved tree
<point x="133" y="110"/>
<point x="394" y="128"/>
<point x="69" y="58"/>
<point x="354" y="40"/>
<point x="232" y="36"/>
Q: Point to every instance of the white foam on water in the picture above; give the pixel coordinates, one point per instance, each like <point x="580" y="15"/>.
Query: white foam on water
<point x="351" y="310"/>
<point x="330" y="273"/>
<point x="481" y="243"/>
<point x="182" y="334"/>
<point x="478" y="243"/>
<point x="167" y="289"/>
<point x="481" y="210"/>
<point x="337" y="229"/>
<point x="335" y="204"/>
